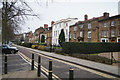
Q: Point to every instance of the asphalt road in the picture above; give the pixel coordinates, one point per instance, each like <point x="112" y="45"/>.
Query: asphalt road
<point x="62" y="70"/>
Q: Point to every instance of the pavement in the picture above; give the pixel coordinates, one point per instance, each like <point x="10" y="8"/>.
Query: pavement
<point x="112" y="70"/>
<point x="19" y="69"/>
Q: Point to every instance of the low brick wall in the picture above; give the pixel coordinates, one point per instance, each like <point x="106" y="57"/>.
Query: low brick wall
<point x="116" y="55"/>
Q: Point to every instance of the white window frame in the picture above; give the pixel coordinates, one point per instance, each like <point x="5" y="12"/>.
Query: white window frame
<point x="54" y="33"/>
<point x="75" y="28"/>
<point x="60" y="24"/>
<point x="81" y="33"/>
<point x="105" y="33"/>
<point x="89" y="26"/>
<point x="75" y="36"/>
<point x="112" y="34"/>
<point x="81" y="26"/>
<point x="70" y="36"/>
<point x="66" y="24"/>
<point x="118" y="38"/>
<point x="89" y="32"/>
<point x="106" y="39"/>
<point x="112" y="23"/>
<point x="66" y="32"/>
<point x="105" y="24"/>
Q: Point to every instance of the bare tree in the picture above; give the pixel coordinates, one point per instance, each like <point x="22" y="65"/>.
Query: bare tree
<point x="14" y="14"/>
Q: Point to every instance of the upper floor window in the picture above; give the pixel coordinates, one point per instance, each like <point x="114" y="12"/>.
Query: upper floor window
<point x="74" y="35"/>
<point x="54" y="33"/>
<point x="81" y="26"/>
<point x="89" y="26"/>
<point x="55" y="26"/>
<point x="60" y="25"/>
<point x="113" y="23"/>
<point x="66" y="24"/>
<point x="112" y="33"/>
<point x="119" y="22"/>
<point x="104" y="33"/>
<point x="81" y="33"/>
<point x="89" y="34"/>
<point x="70" y="36"/>
<point x="119" y="32"/>
<point x="105" y="24"/>
<point x="75" y="28"/>
<point x="58" y="32"/>
<point x="66" y="32"/>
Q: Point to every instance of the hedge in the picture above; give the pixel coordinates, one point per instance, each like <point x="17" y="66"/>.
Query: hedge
<point x="90" y="48"/>
<point x="29" y="45"/>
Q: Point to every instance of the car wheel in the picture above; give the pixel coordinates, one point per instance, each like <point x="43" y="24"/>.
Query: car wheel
<point x="12" y="52"/>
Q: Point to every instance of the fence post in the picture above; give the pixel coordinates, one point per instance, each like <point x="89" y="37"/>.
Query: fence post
<point x="39" y="66"/>
<point x="32" y="66"/>
<point x="50" y="70"/>
<point x="71" y="74"/>
<point x="5" y="65"/>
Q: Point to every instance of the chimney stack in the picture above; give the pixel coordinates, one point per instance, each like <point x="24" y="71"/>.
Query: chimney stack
<point x="52" y="22"/>
<point x="105" y="14"/>
<point x="85" y="17"/>
<point x="45" y="25"/>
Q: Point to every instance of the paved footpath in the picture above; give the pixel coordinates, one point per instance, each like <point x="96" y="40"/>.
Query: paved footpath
<point x="19" y="69"/>
<point x="114" y="70"/>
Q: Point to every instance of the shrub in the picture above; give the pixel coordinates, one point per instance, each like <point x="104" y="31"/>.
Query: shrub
<point x="35" y="46"/>
<point x="41" y="47"/>
<point x="58" y="51"/>
<point x="29" y="45"/>
<point x="88" y="48"/>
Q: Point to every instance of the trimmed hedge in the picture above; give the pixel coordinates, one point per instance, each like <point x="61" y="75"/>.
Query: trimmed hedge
<point x="90" y="48"/>
<point x="29" y="45"/>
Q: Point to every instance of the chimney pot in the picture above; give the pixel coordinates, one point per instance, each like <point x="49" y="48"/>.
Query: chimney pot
<point x="45" y="25"/>
<point x="86" y="17"/>
<point x="105" y="14"/>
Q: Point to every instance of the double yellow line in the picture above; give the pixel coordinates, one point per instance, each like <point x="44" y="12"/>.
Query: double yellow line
<point x="78" y="66"/>
<point x="42" y="68"/>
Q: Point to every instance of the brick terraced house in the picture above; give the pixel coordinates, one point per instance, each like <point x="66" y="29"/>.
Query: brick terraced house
<point x="97" y="29"/>
<point x="109" y="29"/>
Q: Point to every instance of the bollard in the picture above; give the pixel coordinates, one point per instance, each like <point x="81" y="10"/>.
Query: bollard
<point x="50" y="65"/>
<point x="32" y="66"/>
<point x="50" y="70"/>
<point x="39" y="66"/>
<point x="5" y="65"/>
<point x="71" y="74"/>
<point x="50" y="75"/>
<point x="111" y="58"/>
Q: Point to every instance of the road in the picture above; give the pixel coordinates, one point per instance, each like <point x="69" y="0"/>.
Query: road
<point x="61" y="68"/>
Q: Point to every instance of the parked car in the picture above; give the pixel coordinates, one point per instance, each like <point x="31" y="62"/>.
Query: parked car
<point x="7" y="49"/>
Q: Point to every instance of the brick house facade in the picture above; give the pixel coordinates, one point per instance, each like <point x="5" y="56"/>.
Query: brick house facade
<point x="92" y="30"/>
<point x="109" y="29"/>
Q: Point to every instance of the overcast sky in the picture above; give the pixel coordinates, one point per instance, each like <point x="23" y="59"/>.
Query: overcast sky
<point x="53" y="10"/>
